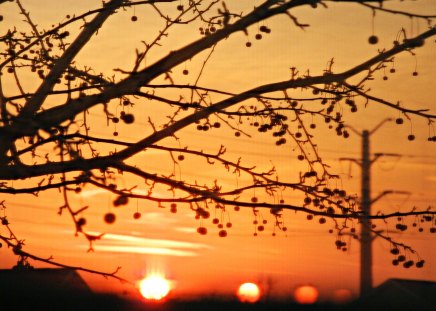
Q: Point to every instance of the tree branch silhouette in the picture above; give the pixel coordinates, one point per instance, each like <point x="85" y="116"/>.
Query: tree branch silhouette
<point x="47" y="140"/>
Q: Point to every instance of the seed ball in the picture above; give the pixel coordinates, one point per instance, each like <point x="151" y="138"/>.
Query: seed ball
<point x="237" y="134"/>
<point x="254" y="199"/>
<point x="399" y="120"/>
<point x="215" y="221"/>
<point x="222" y="233"/>
<point x="309" y="217"/>
<point x="415" y="73"/>
<point x="128" y="118"/>
<point x="205" y="214"/>
<point x="385" y="78"/>
<point x="312" y="126"/>
<point x="180" y="7"/>
<point x="109" y="218"/>
<point x="185" y="72"/>
<point x="229" y="225"/>
<point x="411" y="137"/>
<point x="395" y="251"/>
<point x="248" y="44"/>
<point x="322" y="220"/>
<point x="115" y="133"/>
<point x="392" y="70"/>
<point x="121" y="200"/>
<point x="260" y="228"/>
<point x="373" y="39"/>
<point x="81" y="222"/>
<point x="300" y="157"/>
<point x="181" y="157"/>
<point x="134" y="18"/>
<point x="258" y="36"/>
<point x="136" y="215"/>
<point x="202" y="230"/>
<point x="408" y="264"/>
<point x="237" y="208"/>
<point x="263" y="28"/>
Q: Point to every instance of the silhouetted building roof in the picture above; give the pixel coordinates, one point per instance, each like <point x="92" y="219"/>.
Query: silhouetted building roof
<point x="400" y="295"/>
<point x="50" y="289"/>
<point x="33" y="281"/>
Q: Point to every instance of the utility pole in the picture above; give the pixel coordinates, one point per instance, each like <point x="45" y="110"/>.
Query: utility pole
<point x="366" y="237"/>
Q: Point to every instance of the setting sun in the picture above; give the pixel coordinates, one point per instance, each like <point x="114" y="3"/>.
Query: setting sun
<point x="306" y="294"/>
<point x="248" y="292"/>
<point x="154" y="287"/>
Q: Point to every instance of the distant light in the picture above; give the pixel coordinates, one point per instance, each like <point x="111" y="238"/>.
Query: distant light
<point x="248" y="292"/>
<point x="306" y="294"/>
<point x="154" y="287"/>
<point x="341" y="296"/>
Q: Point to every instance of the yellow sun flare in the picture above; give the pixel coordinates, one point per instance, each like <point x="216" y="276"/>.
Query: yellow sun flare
<point x="154" y="287"/>
<point x="248" y="292"/>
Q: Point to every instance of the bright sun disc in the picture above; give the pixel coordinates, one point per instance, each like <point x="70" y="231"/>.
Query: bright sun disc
<point x="154" y="287"/>
<point x="248" y="292"/>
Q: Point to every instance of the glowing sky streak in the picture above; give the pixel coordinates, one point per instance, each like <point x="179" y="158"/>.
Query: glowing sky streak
<point x="144" y="250"/>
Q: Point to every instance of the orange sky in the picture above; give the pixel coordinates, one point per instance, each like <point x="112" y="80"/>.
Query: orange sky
<point x="306" y="253"/>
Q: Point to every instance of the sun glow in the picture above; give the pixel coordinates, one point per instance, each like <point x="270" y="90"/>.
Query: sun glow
<point x="154" y="287"/>
<point x="248" y="292"/>
<point x="306" y="294"/>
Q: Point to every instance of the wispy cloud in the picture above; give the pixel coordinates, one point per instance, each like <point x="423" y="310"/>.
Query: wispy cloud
<point x="154" y="242"/>
<point x="185" y="229"/>
<point x="91" y="193"/>
<point x="145" y="250"/>
<point x="120" y="243"/>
